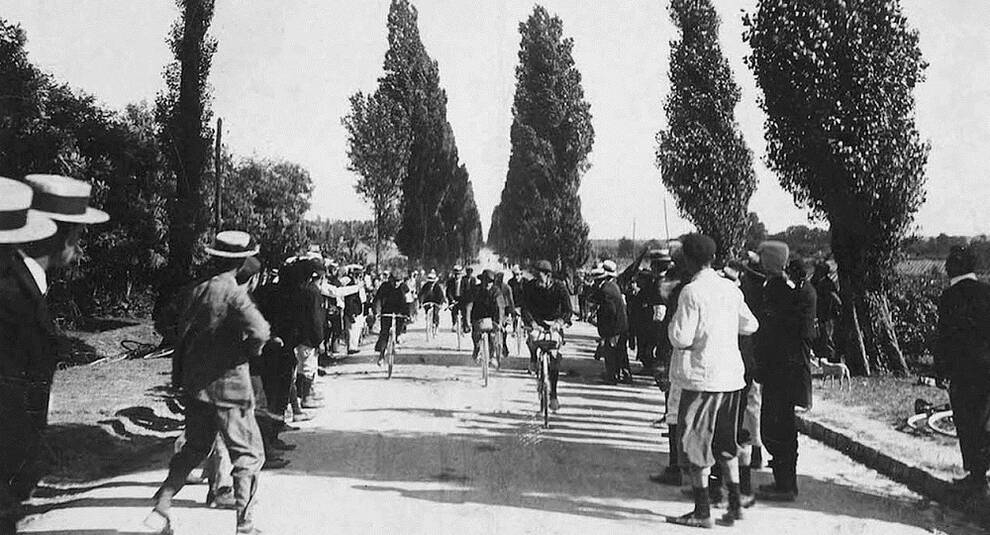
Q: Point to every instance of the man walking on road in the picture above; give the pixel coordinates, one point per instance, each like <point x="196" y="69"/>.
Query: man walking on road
<point x="707" y="365"/>
<point x="220" y="331"/>
<point x="962" y="355"/>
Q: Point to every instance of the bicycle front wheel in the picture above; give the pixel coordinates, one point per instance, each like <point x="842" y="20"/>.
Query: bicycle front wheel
<point x="484" y="359"/>
<point x="942" y="423"/>
<point x="545" y="387"/>
<point x="391" y="357"/>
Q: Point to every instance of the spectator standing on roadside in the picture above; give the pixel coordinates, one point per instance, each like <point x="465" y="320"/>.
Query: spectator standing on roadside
<point x="781" y="368"/>
<point x="310" y="316"/>
<point x="41" y="223"/>
<point x="613" y="326"/>
<point x="707" y="365"/>
<point x="219" y="333"/>
<point x="962" y="355"/>
<point x="829" y="309"/>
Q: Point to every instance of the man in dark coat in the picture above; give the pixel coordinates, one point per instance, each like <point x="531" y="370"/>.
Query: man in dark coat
<point x="310" y="319"/>
<point x="456" y="291"/>
<point x="782" y="367"/>
<point x="829" y="308"/>
<point x="962" y="355"/>
<point x="41" y="223"/>
<point x="613" y="326"/>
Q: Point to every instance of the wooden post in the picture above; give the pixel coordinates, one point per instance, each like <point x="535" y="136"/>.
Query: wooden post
<point x="218" y="178"/>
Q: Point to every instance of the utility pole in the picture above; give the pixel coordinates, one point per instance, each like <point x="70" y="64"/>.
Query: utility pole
<point x="218" y="178"/>
<point x="666" y="224"/>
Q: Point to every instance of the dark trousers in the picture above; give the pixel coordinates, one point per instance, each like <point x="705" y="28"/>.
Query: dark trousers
<point x="778" y="427"/>
<point x="971" y="414"/>
<point x="23" y="414"/>
<point x="553" y="367"/>
<point x="616" y="358"/>
<point x="238" y="429"/>
<point x="457" y="311"/>
<point x="386" y="324"/>
<point x="277" y="376"/>
<point x="825" y="343"/>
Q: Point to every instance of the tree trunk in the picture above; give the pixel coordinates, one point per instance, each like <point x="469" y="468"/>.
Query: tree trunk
<point x="866" y="333"/>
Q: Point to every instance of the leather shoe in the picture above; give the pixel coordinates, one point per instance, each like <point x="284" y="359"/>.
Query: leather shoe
<point x="670" y="476"/>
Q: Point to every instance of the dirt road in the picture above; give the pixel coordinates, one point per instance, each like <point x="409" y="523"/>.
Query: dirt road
<point x="431" y="451"/>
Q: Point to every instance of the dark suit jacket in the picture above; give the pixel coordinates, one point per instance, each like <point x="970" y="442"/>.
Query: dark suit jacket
<point x="27" y="340"/>
<point x="310" y="315"/>
<point x="612" y="319"/>
<point x="962" y="345"/>
<point x="787" y="324"/>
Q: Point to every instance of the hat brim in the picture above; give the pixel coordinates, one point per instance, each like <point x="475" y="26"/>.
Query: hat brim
<point x="37" y="227"/>
<point x="91" y="217"/>
<point x="233" y="254"/>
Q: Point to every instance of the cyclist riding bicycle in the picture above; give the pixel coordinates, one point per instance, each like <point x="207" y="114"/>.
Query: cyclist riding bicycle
<point x="432" y="295"/>
<point x="546" y="308"/>
<point x="483" y="309"/>
<point x="390" y="299"/>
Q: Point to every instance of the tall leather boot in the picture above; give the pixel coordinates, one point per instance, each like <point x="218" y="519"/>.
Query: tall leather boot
<point x="245" y="489"/>
<point x="308" y="400"/>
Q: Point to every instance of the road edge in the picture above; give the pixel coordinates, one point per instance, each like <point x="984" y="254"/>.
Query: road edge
<point x="915" y="478"/>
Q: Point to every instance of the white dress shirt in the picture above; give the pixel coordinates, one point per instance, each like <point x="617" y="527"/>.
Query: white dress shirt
<point x="37" y="272"/>
<point x="710" y="316"/>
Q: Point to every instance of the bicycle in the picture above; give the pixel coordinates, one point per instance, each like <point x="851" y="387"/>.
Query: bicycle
<point x="390" y="348"/>
<point x="545" y="345"/>
<point x="485" y="327"/>
<point x="431" y="311"/>
<point x="936" y="418"/>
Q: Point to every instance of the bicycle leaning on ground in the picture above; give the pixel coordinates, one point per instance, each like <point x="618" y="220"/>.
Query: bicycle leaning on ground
<point x="388" y="354"/>
<point x="546" y="346"/>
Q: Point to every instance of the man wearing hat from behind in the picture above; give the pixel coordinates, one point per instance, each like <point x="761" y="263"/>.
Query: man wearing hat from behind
<point x="219" y="332"/>
<point x="41" y="223"/>
<point x="612" y="325"/>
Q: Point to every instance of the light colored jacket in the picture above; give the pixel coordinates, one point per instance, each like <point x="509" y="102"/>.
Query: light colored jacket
<point x="704" y="331"/>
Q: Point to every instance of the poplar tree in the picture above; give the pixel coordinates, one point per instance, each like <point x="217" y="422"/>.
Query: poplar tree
<point x="838" y="80"/>
<point x="703" y="159"/>
<point x="539" y="215"/>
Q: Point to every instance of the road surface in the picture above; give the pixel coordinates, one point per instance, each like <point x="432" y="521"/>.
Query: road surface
<point x="430" y="451"/>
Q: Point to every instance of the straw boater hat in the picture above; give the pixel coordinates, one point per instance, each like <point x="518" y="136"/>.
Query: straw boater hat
<point x="609" y="268"/>
<point x="65" y="199"/>
<point x="233" y="244"/>
<point x="18" y="222"/>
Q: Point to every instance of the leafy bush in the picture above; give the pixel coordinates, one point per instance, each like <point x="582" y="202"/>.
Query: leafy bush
<point x="914" y="310"/>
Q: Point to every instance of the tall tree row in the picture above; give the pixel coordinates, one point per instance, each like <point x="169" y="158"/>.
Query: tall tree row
<point x="838" y="79"/>
<point x="539" y="215"/>
<point x="703" y="159"/>
<point x="433" y="192"/>
<point x="183" y="113"/>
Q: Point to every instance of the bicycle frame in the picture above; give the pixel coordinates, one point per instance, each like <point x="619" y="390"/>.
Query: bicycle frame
<point x="543" y="356"/>
<point x="390" y="348"/>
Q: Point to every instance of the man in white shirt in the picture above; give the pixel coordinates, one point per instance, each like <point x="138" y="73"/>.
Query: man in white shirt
<point x="708" y="368"/>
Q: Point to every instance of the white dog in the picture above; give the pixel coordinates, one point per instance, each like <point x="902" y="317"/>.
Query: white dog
<point x="834" y="370"/>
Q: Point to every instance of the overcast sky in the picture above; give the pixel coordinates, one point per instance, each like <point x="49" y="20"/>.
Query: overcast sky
<point x="284" y="69"/>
